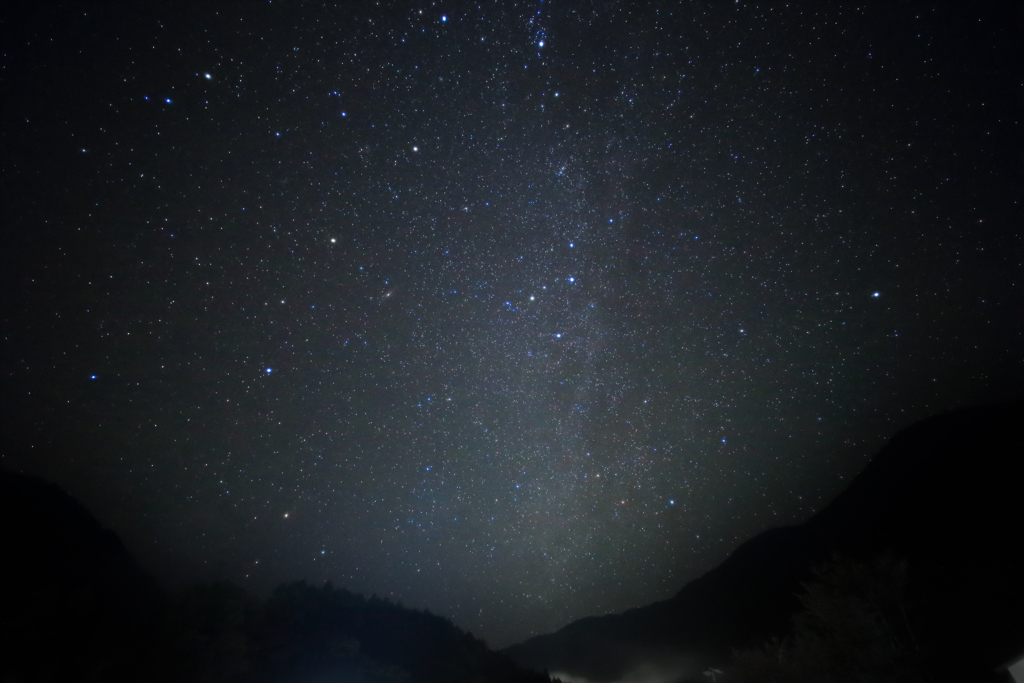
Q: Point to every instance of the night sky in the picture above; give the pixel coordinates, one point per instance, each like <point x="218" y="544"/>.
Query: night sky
<point x="519" y="312"/>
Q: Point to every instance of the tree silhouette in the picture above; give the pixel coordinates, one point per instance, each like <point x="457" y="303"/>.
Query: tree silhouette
<point x="207" y="634"/>
<point x="854" y="626"/>
<point x="217" y="632"/>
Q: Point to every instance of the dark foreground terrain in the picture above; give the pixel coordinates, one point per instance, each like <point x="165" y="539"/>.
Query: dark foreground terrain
<point x="923" y="550"/>
<point x="913" y="573"/>
<point x="77" y="607"/>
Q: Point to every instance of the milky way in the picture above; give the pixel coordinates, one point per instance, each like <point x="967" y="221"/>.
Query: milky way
<point x="516" y="312"/>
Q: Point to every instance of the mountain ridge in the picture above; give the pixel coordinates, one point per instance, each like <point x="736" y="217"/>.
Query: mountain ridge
<point x="76" y="605"/>
<point x="889" y="506"/>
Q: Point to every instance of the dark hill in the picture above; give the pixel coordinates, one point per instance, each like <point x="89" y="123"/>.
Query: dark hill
<point x="306" y="633"/>
<point x="74" y="602"/>
<point x="944" y="494"/>
<point x="74" y="605"/>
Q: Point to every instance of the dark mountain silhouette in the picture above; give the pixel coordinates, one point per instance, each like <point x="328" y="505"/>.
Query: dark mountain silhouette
<point x="944" y="495"/>
<point x="74" y="605"/>
<point x="305" y="633"/>
<point x="74" y="602"/>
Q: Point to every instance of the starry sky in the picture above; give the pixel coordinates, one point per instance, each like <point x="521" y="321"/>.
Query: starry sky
<point x="517" y="311"/>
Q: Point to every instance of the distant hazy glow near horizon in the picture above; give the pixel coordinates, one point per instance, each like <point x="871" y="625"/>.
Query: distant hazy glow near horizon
<point x="517" y="313"/>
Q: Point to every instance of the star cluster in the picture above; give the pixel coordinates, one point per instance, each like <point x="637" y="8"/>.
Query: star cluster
<point x="520" y="312"/>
